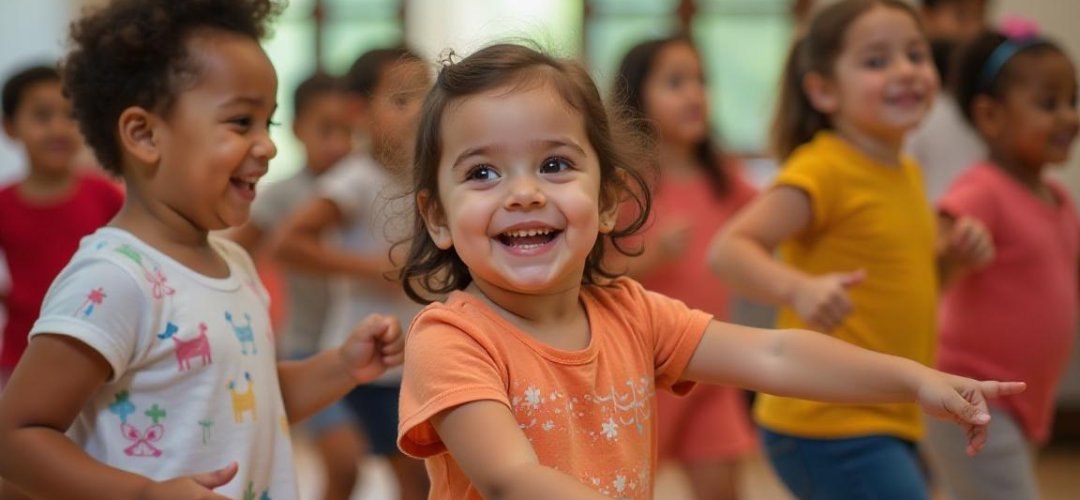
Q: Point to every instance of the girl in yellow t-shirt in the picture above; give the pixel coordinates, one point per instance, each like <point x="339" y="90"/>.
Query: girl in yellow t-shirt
<point x="857" y="242"/>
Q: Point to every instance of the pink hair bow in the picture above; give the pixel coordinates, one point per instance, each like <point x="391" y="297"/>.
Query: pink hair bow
<point x="1019" y="28"/>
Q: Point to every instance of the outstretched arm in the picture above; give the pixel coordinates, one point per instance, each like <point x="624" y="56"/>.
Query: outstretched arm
<point x="300" y="244"/>
<point x="311" y="384"/>
<point x="812" y="366"/>
<point x="742" y="255"/>
<point x="494" y="453"/>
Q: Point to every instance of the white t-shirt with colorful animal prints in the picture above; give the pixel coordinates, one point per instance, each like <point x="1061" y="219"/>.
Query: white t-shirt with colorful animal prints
<point x="194" y="381"/>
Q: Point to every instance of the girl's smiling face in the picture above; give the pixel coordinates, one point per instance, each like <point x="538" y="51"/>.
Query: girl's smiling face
<point x="518" y="190"/>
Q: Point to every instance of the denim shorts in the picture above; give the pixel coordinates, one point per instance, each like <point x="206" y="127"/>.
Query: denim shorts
<point x="875" y="467"/>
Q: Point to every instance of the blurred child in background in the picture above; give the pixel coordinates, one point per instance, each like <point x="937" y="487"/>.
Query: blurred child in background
<point x="858" y="242"/>
<point x="944" y="143"/>
<point x="364" y="200"/>
<point x="51" y="209"/>
<point x="661" y="84"/>
<point x="1016" y="317"/>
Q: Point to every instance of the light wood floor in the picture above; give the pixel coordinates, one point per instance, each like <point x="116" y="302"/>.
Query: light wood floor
<point x="1058" y="468"/>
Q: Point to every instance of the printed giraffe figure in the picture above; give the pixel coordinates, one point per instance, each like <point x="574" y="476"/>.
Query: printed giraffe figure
<point x="197" y="347"/>
<point x="243" y="401"/>
<point x="243" y="332"/>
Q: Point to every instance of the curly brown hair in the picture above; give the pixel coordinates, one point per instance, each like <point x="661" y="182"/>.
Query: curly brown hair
<point x="618" y="146"/>
<point x="134" y="53"/>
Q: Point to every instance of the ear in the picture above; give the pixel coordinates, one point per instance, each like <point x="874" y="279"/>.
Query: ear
<point x="434" y="220"/>
<point x="136" y="128"/>
<point x="609" y="208"/>
<point x="821" y="92"/>
<point x="9" y="128"/>
<point x="987" y="116"/>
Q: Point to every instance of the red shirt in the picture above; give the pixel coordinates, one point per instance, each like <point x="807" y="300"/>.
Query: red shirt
<point x="693" y="200"/>
<point x="37" y="241"/>
<point x="1016" y="318"/>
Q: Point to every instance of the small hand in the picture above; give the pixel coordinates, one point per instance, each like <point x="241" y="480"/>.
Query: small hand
<point x="376" y="343"/>
<point x="197" y="486"/>
<point x="963" y="400"/>
<point x="822" y="301"/>
<point x="968" y="244"/>
<point x="674" y="239"/>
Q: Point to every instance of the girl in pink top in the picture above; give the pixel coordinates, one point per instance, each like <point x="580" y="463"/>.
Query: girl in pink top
<point x="661" y="83"/>
<point x="535" y="377"/>
<point x="1015" y="318"/>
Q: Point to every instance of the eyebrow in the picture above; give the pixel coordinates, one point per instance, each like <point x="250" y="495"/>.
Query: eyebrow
<point x="242" y="99"/>
<point x="546" y="144"/>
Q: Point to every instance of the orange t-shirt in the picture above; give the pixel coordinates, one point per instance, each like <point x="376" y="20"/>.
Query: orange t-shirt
<point x="587" y="413"/>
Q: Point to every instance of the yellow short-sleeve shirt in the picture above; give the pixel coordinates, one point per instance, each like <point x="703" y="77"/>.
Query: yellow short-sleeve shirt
<point x="874" y="217"/>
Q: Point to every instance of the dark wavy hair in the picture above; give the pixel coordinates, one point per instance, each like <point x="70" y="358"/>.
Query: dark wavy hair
<point x="433" y="271"/>
<point x="636" y="66"/>
<point x="134" y="53"/>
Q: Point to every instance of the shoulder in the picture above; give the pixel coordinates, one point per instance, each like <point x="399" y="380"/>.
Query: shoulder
<point x="232" y="252"/>
<point x="108" y="257"/>
<point x="459" y="313"/>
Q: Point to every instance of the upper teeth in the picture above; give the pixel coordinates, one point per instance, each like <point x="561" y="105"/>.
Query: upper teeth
<point x="528" y="232"/>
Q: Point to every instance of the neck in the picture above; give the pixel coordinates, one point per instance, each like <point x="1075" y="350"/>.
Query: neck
<point x="678" y="159"/>
<point x="882" y="149"/>
<point x="1027" y="175"/>
<point x="45" y="186"/>
<point x="159" y="225"/>
<point x="531" y="312"/>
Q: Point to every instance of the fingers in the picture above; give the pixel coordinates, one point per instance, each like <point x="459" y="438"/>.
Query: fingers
<point x="831" y="313"/>
<point x="217" y="478"/>
<point x="391" y="331"/>
<point x="969" y="408"/>
<point x="970" y="241"/>
<point x="976" y="438"/>
<point x="993" y="389"/>
<point x="393" y="359"/>
<point x="853" y="278"/>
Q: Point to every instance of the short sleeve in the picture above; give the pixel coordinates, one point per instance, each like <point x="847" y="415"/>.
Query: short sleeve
<point x="674" y="330"/>
<point x="971" y="196"/>
<point x="810" y="174"/>
<point x="348" y="187"/>
<point x="100" y="304"/>
<point x="445" y="367"/>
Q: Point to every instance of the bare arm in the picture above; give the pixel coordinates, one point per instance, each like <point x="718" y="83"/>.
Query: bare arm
<point x="301" y="246"/>
<point x="310" y="384"/>
<point x="742" y="255"/>
<point x="662" y="245"/>
<point x="38" y="406"/>
<point x="807" y="365"/>
<point x="494" y="453"/>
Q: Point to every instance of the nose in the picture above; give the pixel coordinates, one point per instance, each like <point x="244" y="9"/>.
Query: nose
<point x="525" y="193"/>
<point x="264" y="148"/>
